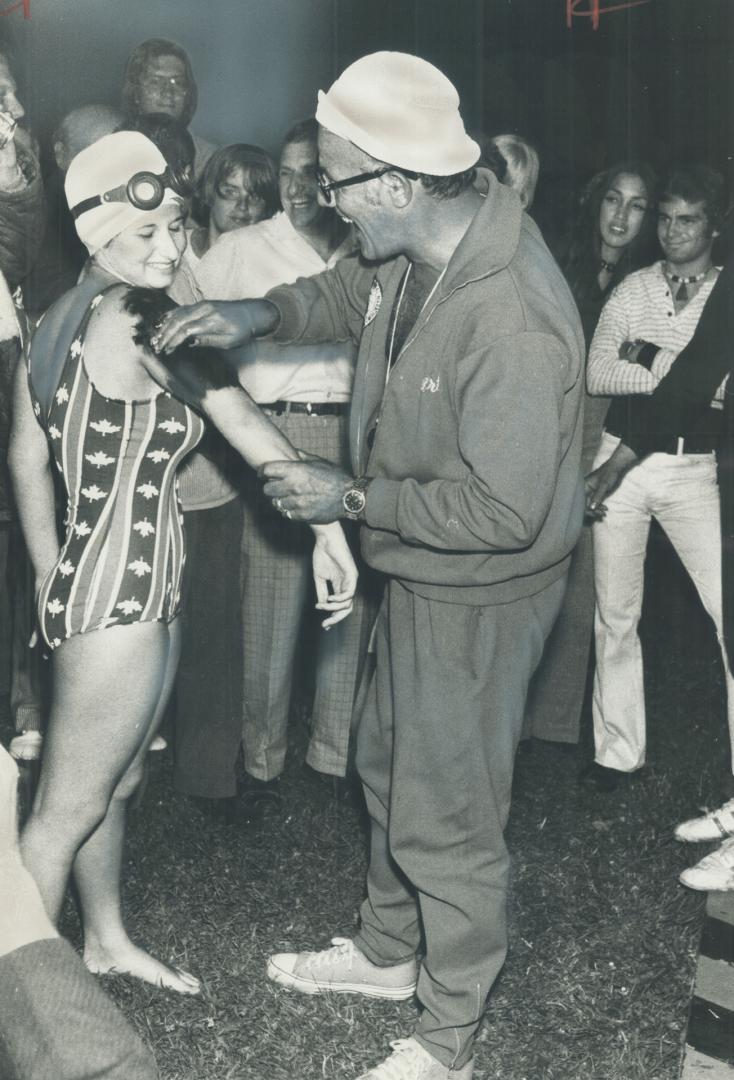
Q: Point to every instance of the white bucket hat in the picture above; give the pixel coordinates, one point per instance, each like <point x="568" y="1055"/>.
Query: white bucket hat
<point x="401" y="110"/>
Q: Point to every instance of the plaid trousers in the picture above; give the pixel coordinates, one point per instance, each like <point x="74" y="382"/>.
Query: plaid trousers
<point x="277" y="594"/>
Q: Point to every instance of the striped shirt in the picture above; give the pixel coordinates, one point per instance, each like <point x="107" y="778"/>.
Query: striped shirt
<point x="642" y="308"/>
<point x="123" y="552"/>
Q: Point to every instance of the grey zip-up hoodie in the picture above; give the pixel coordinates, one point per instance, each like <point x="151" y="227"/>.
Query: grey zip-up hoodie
<point x="477" y="495"/>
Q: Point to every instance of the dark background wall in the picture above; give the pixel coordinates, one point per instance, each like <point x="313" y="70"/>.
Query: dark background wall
<point x="655" y="80"/>
<point x="257" y="62"/>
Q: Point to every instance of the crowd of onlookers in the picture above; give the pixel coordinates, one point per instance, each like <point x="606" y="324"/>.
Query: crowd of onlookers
<point x="253" y="223"/>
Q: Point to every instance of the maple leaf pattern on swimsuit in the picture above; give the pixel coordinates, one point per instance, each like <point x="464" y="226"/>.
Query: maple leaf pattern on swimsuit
<point x="129" y="607"/>
<point x="100" y="459"/>
<point x="158" y="456"/>
<point x="139" y="567"/>
<point x="104" y="427"/>
<point x="144" y="527"/>
<point x="172" y="427"/>
<point x="123" y="552"/>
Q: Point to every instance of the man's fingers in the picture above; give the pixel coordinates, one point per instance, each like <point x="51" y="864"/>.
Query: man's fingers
<point x="337" y="617"/>
<point x="292" y="507"/>
<point x="597" y="512"/>
<point x="180" y="326"/>
<point x="336" y="602"/>
<point x="274" y="471"/>
<point x="322" y="592"/>
<point x="194" y="331"/>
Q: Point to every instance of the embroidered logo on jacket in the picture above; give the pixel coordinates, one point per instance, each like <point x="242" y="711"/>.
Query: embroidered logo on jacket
<point x="432" y="385"/>
<point x="373" y="304"/>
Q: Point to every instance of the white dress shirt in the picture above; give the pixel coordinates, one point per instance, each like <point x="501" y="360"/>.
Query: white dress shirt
<point x="246" y="264"/>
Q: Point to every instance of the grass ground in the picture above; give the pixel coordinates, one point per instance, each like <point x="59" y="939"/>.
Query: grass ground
<point x="603" y="939"/>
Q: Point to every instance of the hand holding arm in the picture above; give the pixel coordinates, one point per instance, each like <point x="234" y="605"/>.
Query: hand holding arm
<point x="206" y="383"/>
<point x="221" y="324"/>
<point x="309" y="489"/>
<point x="312" y="490"/>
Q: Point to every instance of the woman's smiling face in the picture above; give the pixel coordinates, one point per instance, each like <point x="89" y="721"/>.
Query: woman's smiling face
<point x="149" y="252"/>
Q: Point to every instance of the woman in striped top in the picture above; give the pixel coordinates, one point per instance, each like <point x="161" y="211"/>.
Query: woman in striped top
<point x="117" y="421"/>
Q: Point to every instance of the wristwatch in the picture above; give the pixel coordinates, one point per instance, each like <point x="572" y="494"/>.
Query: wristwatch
<point x="354" y="499"/>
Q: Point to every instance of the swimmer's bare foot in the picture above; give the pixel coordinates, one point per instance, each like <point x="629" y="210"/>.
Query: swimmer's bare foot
<point x="128" y="959"/>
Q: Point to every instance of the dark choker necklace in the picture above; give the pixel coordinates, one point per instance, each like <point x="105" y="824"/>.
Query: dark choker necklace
<point x="609" y="267"/>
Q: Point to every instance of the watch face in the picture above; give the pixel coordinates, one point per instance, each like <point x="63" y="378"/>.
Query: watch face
<point x="354" y="501"/>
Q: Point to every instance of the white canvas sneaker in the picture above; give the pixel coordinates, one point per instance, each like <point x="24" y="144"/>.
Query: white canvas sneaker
<point x="411" y="1061"/>
<point x="343" y="969"/>
<point x="27" y="746"/>
<point x="714" y="872"/>
<point x="714" y="825"/>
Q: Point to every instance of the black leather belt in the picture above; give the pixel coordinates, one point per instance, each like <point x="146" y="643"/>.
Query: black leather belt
<point x="704" y="443"/>
<point x="306" y="408"/>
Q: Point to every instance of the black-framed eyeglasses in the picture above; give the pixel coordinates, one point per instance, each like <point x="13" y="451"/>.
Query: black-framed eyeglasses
<point x="326" y="187"/>
<point x="145" y="191"/>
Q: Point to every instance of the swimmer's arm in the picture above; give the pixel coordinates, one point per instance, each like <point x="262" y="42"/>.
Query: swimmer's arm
<point x="211" y="388"/>
<point x="204" y="380"/>
<point x="29" y="461"/>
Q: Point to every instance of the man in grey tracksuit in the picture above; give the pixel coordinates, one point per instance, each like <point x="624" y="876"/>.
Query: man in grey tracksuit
<point x="465" y="437"/>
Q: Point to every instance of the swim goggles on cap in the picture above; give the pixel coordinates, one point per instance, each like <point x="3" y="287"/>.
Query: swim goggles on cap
<point x="144" y="190"/>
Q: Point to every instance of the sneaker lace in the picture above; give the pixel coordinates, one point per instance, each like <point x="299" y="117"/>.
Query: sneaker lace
<point x="401" y="1063"/>
<point x="718" y="817"/>
<point x="342" y="950"/>
<point x="724" y="856"/>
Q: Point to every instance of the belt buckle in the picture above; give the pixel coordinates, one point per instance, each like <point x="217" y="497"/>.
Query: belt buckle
<point x="309" y="408"/>
<point x="680" y="446"/>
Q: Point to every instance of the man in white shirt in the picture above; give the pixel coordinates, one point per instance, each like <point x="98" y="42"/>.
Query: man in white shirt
<point x="306" y="390"/>
<point x="647" y="321"/>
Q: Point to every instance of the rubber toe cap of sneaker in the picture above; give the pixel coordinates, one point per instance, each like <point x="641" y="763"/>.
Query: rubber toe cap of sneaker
<point x="281" y="966"/>
<point x="695" y="832"/>
<point x="707" y="880"/>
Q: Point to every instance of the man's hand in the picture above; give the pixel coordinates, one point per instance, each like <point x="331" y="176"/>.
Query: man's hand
<point x="603" y="481"/>
<point x="309" y="490"/>
<point x="221" y="324"/>
<point x="333" y="568"/>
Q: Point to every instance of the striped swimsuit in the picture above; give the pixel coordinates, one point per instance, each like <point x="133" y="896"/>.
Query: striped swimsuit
<point x="123" y="552"/>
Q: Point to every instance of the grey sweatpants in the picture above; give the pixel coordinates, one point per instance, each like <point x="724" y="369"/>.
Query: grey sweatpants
<point x="435" y="748"/>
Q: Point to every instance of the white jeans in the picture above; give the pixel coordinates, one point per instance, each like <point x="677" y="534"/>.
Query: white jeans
<point x="681" y="493"/>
